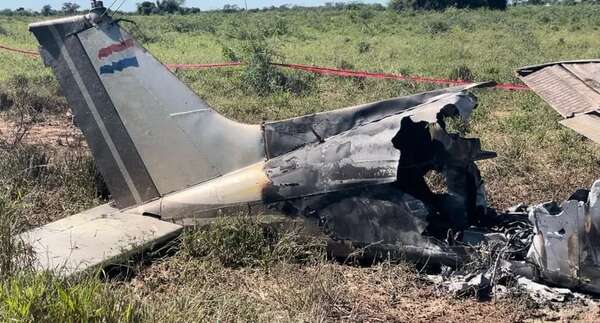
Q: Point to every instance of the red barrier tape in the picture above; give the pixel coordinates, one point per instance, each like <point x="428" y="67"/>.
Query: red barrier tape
<point x="350" y="73"/>
<point x="22" y="51"/>
<point x="200" y="66"/>
<point x="390" y="76"/>
<point x="324" y="71"/>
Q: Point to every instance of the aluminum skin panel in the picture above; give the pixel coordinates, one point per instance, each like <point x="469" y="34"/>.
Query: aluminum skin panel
<point x="564" y="91"/>
<point x="112" y="148"/>
<point x="181" y="140"/>
<point x="94" y="238"/>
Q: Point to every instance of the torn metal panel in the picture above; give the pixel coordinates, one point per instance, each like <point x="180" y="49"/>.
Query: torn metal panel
<point x="587" y="125"/>
<point x="286" y="135"/>
<point x="566" y="245"/>
<point x="543" y="294"/>
<point x="97" y="237"/>
<point x="362" y="155"/>
<point x="571" y="89"/>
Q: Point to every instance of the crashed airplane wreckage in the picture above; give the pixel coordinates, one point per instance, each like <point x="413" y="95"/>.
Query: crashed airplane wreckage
<point x="356" y="174"/>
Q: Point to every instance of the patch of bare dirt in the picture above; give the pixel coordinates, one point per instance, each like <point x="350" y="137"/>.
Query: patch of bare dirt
<point x="55" y="132"/>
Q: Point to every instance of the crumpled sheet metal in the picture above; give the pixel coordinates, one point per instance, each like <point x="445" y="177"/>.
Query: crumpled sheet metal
<point x="286" y="135"/>
<point x="566" y="245"/>
<point x="343" y="176"/>
<point x="543" y="294"/>
<point x="362" y="155"/>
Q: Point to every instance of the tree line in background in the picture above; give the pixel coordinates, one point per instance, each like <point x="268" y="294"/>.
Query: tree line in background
<point x="160" y="7"/>
<point x="401" y="5"/>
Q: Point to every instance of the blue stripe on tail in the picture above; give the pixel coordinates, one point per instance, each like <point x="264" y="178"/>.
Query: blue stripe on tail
<point x="119" y="65"/>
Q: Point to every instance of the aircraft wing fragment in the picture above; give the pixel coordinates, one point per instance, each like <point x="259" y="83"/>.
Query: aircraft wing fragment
<point x="93" y="238"/>
<point x="572" y="88"/>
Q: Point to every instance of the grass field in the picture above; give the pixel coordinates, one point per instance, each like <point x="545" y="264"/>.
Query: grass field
<point x="538" y="159"/>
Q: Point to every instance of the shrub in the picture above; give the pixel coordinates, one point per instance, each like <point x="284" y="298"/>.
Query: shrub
<point x="437" y="27"/>
<point x="169" y="6"/>
<point x="146" y="8"/>
<point x="262" y="77"/>
<point x="299" y="83"/>
<point x="462" y="73"/>
<point x="401" y="5"/>
<point x="344" y="65"/>
<point x="363" y="47"/>
<point x="398" y="5"/>
<point x="279" y="27"/>
<point x="229" y="54"/>
<point x="259" y="74"/>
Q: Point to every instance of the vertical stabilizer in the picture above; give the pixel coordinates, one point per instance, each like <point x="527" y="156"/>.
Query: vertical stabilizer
<point x="149" y="133"/>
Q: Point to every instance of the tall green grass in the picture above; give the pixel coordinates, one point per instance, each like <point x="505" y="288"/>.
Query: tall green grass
<point x="29" y="297"/>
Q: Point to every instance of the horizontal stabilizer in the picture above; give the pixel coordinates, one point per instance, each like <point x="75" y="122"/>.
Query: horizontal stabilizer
<point x="97" y="237"/>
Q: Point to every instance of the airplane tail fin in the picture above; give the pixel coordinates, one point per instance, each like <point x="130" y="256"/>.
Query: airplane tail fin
<point x="149" y="133"/>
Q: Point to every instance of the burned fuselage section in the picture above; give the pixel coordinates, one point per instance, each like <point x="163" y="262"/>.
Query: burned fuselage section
<point x="357" y="174"/>
<point x="366" y="185"/>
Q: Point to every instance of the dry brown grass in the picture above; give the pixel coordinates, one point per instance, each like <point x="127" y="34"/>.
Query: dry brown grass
<point x="195" y="290"/>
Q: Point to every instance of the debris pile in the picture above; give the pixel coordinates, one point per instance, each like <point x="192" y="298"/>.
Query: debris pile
<point x="549" y="251"/>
